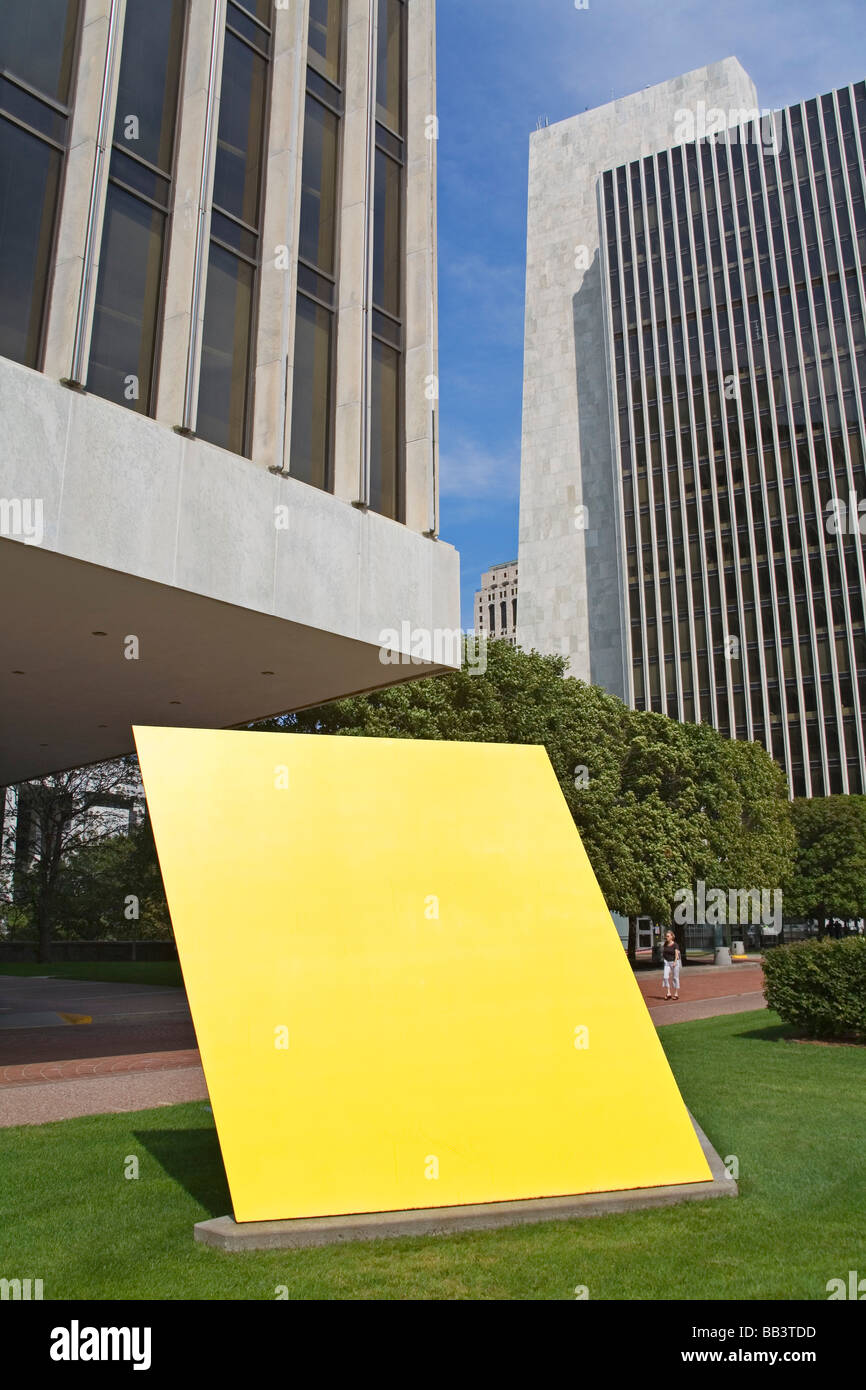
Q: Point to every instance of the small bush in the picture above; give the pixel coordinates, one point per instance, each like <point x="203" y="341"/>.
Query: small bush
<point x="819" y="986"/>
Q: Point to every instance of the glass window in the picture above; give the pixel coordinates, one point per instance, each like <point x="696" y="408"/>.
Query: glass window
<point x="315" y="327"/>
<point x="311" y="415"/>
<point x="29" y="182"/>
<point x="387" y="263"/>
<point x="325" y="37"/>
<point x="127" y="301"/>
<point x="390" y="63"/>
<point x="237" y="176"/>
<point x="385" y="412"/>
<point x="226" y="350"/>
<point x="37" y="44"/>
<point x="386" y="458"/>
<point x="37" y="48"/>
<point x="144" y="123"/>
<point x="225" y="383"/>
<point x="260" y="9"/>
<point x="319" y="187"/>
<point x="131" y="261"/>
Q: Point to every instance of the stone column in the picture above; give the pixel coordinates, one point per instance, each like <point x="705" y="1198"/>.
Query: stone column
<point x="353" y="330"/>
<point x="421" y="354"/>
<point x="275" y="334"/>
<point x="180" y="352"/>
<point x="84" y="190"/>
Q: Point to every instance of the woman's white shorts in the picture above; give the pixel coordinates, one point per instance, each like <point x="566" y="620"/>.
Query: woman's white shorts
<point x="672" y="970"/>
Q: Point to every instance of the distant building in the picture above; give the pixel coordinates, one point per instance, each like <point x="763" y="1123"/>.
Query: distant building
<point x="496" y="603"/>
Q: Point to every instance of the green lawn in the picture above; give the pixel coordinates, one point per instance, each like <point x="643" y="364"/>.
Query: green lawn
<point x="794" y="1114"/>
<point x="133" y="972"/>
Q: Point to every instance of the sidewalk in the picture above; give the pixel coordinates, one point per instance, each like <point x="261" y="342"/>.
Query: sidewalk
<point x="705" y="992"/>
<point x="35" y="1103"/>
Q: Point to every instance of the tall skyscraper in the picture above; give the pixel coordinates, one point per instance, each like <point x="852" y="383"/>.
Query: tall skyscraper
<point x="218" y="356"/>
<point x="706" y="512"/>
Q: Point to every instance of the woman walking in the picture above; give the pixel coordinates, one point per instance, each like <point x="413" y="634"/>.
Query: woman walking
<point x="673" y="960"/>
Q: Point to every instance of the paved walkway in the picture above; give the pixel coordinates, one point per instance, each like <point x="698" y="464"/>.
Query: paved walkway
<point x="705" y="992"/>
<point x="99" y="1095"/>
<point x="137" y="1050"/>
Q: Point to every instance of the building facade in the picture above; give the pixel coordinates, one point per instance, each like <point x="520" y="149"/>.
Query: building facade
<point x="218" y="362"/>
<point x="730" y="316"/>
<point x="496" y="604"/>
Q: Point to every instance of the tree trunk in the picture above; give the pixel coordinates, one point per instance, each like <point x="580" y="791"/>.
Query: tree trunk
<point x="632" y="940"/>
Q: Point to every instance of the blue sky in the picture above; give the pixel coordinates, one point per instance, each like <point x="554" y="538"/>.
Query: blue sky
<point x="502" y="64"/>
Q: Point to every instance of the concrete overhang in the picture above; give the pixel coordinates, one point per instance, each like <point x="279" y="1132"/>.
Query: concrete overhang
<point x="148" y="578"/>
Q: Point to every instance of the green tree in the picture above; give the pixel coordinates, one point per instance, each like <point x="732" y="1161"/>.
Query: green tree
<point x="761" y="838"/>
<point x="61" y="816"/>
<point x="113" y="888"/>
<point x="829" y="869"/>
<point x="705" y="808"/>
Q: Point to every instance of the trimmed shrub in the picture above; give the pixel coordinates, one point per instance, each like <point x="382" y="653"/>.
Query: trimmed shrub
<point x="819" y="986"/>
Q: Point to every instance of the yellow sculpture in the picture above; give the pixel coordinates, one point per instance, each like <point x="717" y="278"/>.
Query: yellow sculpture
<point x="406" y="986"/>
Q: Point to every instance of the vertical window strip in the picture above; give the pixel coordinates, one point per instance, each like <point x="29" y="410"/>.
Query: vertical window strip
<point x="130" y="287"/>
<point x="39" y="45"/>
<point x="636" y="600"/>
<point x="811" y="444"/>
<point x="387" y="463"/>
<point x="234" y="261"/>
<point x="313" y="393"/>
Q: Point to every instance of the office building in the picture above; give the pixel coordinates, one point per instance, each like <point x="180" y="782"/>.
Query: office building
<point x="694" y="443"/>
<point x="219" y="479"/>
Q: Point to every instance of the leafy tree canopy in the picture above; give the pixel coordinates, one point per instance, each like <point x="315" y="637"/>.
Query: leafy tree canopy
<point x="829" y="870"/>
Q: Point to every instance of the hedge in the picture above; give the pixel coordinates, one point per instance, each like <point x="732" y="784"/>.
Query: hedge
<point x="819" y="986"/>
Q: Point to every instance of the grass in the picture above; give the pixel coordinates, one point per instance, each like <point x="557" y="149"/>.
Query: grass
<point x="132" y="972"/>
<point x="794" y="1116"/>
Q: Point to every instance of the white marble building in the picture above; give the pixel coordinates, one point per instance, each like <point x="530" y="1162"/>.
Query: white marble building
<point x="571" y="601"/>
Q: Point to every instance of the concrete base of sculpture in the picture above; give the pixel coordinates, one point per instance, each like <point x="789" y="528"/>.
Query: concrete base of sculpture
<point x="224" y="1233"/>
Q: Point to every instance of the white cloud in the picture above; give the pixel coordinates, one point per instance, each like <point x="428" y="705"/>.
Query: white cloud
<point x="485" y="295"/>
<point x="472" y="472"/>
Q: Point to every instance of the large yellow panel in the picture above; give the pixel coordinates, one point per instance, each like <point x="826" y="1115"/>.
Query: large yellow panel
<point x="406" y="987"/>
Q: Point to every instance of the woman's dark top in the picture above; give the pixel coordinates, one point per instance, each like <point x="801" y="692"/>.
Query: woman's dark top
<point x="670" y="951"/>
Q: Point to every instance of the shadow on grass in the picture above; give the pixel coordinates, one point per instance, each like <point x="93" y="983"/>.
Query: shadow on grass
<point x="192" y="1158"/>
<point x="776" y="1032"/>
